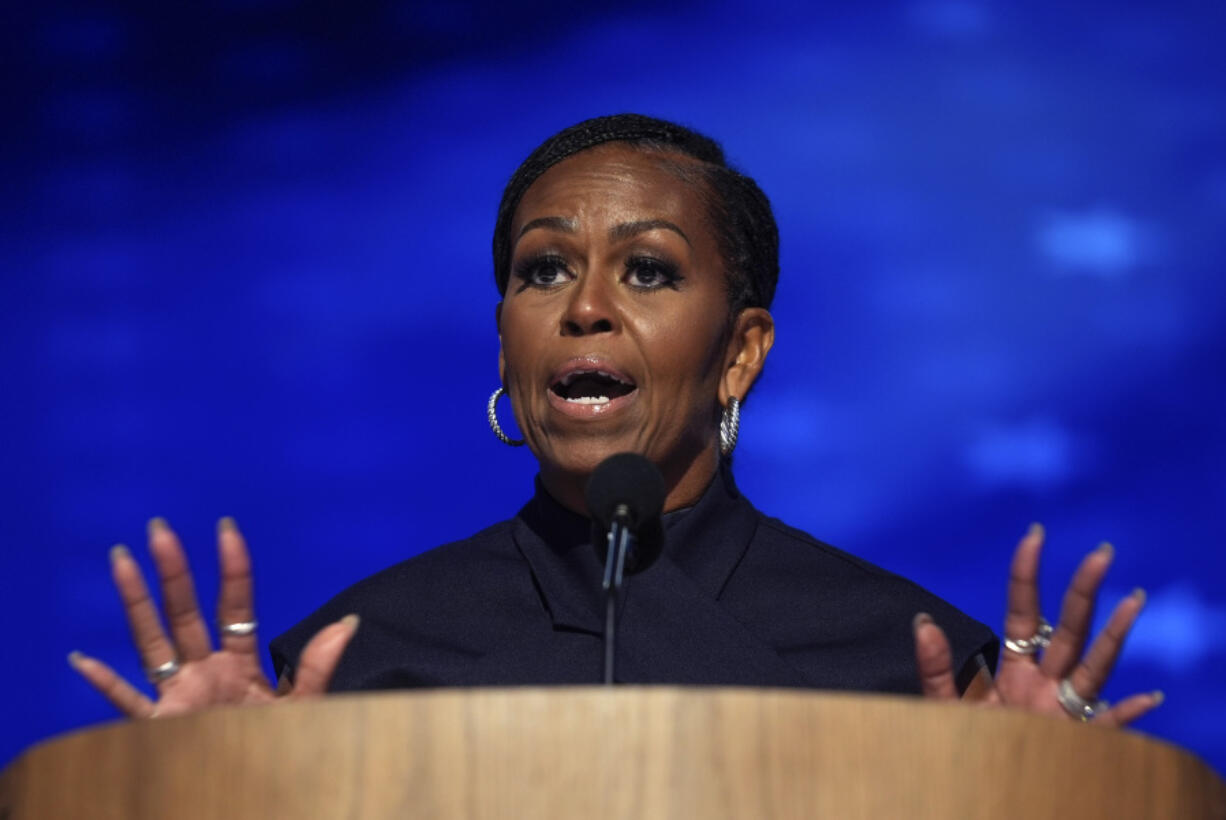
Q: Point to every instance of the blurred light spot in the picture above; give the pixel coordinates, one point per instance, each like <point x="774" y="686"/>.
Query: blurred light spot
<point x="1038" y="453"/>
<point x="1178" y="629"/>
<point x="1100" y="242"/>
<point x="950" y="18"/>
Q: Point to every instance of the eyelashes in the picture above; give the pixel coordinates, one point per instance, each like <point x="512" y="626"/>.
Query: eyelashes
<point x="652" y="273"/>
<point x="642" y="272"/>
<point x="541" y="271"/>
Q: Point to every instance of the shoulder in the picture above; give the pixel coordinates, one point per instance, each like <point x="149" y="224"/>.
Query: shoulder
<point x="814" y="594"/>
<point x="779" y="534"/>
<point x="436" y="570"/>
<point x="434" y="582"/>
<point x="790" y="547"/>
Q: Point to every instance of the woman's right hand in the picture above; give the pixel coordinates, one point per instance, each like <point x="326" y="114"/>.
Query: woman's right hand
<point x="205" y="676"/>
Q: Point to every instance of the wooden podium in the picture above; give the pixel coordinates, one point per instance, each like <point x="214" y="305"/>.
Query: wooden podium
<point x="595" y="752"/>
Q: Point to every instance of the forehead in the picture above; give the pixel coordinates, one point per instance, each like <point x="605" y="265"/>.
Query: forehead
<point x="617" y="181"/>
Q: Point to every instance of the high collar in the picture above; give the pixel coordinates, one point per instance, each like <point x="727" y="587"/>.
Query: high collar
<point x="705" y="542"/>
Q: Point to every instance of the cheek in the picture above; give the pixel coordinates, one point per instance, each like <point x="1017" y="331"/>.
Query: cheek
<point x="515" y="335"/>
<point x="687" y="352"/>
<point x="522" y="349"/>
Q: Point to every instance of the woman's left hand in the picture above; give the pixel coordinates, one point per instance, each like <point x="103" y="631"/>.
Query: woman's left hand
<point x="1032" y="680"/>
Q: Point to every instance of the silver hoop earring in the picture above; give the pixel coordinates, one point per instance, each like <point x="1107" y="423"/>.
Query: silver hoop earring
<point x="493" y="417"/>
<point x="729" y="426"/>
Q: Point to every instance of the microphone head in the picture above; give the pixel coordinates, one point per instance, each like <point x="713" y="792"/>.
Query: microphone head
<point x="629" y="479"/>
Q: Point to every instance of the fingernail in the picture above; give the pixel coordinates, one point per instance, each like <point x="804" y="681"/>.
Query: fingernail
<point x="226" y="523"/>
<point x="119" y="551"/>
<point x="75" y="658"/>
<point x="156" y="524"/>
<point x="1036" y="529"/>
<point x="1107" y="549"/>
<point x="920" y="620"/>
<point x="1140" y="595"/>
<point x="1159" y="697"/>
<point x="351" y="620"/>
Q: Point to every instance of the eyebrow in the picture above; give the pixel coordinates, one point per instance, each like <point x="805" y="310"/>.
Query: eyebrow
<point x="553" y="223"/>
<point x="629" y="229"/>
<point x="616" y="234"/>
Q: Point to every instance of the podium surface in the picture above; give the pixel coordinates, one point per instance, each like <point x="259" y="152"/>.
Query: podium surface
<point x="625" y="752"/>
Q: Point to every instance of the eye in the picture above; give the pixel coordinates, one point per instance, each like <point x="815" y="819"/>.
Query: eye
<point x="649" y="273"/>
<point x="541" y="271"/>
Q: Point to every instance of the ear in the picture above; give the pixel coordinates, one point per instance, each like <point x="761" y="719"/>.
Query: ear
<point x="502" y="360"/>
<point x="753" y="334"/>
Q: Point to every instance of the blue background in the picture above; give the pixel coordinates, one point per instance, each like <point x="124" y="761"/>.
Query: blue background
<point x="246" y="271"/>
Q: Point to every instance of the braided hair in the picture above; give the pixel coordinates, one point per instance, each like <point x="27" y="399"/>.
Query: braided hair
<point x="738" y="210"/>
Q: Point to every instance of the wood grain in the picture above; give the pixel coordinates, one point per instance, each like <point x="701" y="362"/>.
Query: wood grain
<point x="615" y="753"/>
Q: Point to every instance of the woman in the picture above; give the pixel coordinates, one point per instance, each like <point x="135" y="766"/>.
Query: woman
<point x="636" y="271"/>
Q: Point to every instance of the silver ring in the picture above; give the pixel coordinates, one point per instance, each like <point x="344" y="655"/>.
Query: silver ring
<point x="162" y="672"/>
<point x="1028" y="646"/>
<point x="1076" y="705"/>
<point x="240" y="629"/>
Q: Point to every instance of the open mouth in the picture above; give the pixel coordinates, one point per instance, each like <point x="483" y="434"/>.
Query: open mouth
<point x="591" y="387"/>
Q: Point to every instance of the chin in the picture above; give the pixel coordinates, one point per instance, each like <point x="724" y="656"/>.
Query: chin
<point x="583" y="457"/>
<point x="580" y="456"/>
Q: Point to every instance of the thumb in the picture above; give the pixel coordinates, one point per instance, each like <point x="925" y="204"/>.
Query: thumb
<point x="933" y="659"/>
<point x="320" y="657"/>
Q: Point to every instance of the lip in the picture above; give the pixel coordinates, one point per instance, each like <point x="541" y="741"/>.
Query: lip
<point x="589" y="411"/>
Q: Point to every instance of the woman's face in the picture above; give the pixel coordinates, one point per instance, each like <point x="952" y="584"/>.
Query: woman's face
<point x="614" y="327"/>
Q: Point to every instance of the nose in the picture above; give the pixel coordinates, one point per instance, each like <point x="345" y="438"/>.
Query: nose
<point x="590" y="308"/>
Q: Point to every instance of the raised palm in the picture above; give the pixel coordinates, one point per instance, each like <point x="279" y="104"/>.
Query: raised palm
<point x="195" y="675"/>
<point x="1031" y="680"/>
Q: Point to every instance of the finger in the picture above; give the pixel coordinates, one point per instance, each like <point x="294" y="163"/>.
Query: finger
<point x="235" y="605"/>
<point x="933" y="659"/>
<point x="190" y="634"/>
<point x="1076" y="613"/>
<point x="320" y="657"/>
<point x="1022" y="615"/>
<point x="1129" y="709"/>
<point x="125" y="697"/>
<point x="151" y="642"/>
<point x="1090" y="675"/>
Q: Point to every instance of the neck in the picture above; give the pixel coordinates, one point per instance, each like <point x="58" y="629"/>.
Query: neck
<point x="685" y="482"/>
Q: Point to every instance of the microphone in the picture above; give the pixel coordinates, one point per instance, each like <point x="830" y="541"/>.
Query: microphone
<point x="627" y="489"/>
<point x="625" y="496"/>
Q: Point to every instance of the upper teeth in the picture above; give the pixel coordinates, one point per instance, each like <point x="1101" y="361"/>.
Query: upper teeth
<point x="570" y="377"/>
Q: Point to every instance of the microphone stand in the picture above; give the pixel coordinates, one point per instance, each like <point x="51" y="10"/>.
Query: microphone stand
<point x="620" y="541"/>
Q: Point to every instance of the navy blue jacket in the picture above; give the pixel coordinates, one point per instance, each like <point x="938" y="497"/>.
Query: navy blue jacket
<point x="736" y="598"/>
